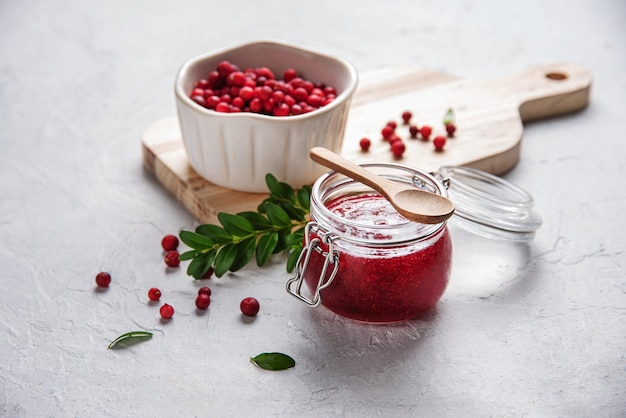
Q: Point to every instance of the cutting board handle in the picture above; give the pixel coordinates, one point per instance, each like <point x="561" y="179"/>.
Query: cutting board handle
<point x="549" y="90"/>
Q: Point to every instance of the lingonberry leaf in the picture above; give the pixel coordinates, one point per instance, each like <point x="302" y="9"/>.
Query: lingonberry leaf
<point x="448" y="117"/>
<point x="265" y="247"/>
<point x="225" y="259"/>
<point x="188" y="255"/>
<point x="274" y="186"/>
<point x="259" y="221"/>
<point x="130" y="338"/>
<point x="293" y="259"/>
<point x="201" y="264"/>
<point x="195" y="241"/>
<point x="304" y="198"/>
<point x="245" y="252"/>
<point x="277" y="215"/>
<point x="235" y="224"/>
<point x="273" y="361"/>
<point x="214" y="233"/>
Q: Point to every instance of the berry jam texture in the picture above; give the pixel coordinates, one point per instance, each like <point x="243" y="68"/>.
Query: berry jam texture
<point x="382" y="283"/>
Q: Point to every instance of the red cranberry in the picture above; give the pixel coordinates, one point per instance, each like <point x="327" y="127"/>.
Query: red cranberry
<point x="413" y="131"/>
<point x="425" y="131"/>
<point x="300" y="94"/>
<point x="393" y="124"/>
<point x="203" y="301"/>
<point x="169" y="242"/>
<point x="222" y="107"/>
<point x="255" y="105"/>
<point x="199" y="99"/>
<point x="406" y="117"/>
<point x="215" y="80"/>
<point x="281" y="110"/>
<point x="212" y="102"/>
<point x="246" y="93"/>
<point x="166" y="311"/>
<point x="386" y="132"/>
<point x="265" y="72"/>
<point x="290" y="74"/>
<point x="208" y="274"/>
<point x="314" y="100"/>
<point x="204" y="291"/>
<point x="238" y="102"/>
<point x="154" y="294"/>
<point x="249" y="306"/>
<point x="365" y="144"/>
<point x="439" y="142"/>
<point x="171" y="259"/>
<point x="103" y="279"/>
<point x="450" y="129"/>
<point x="236" y="78"/>
<point x="224" y="68"/>
<point x="296" y="109"/>
<point x="398" y="148"/>
<point x="278" y="96"/>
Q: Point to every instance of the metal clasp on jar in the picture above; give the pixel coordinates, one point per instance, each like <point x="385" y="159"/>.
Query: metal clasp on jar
<point x="331" y="256"/>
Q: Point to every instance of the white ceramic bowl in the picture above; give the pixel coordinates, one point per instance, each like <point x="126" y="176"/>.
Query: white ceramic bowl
<point x="237" y="150"/>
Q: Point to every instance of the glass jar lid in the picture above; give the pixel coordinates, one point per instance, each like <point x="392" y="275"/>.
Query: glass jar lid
<point x="490" y="206"/>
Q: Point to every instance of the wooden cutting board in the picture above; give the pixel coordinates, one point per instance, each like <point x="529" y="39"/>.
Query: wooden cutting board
<point x="489" y="116"/>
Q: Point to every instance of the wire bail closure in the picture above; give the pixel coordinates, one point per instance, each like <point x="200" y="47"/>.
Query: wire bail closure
<point x="294" y="285"/>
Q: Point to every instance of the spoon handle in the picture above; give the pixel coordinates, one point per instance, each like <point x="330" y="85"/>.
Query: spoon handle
<point x="336" y="162"/>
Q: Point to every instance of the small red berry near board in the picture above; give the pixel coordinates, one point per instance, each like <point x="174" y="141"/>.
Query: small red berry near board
<point x="169" y="242"/>
<point x="172" y="259"/>
<point x="398" y="148"/>
<point x="203" y="301"/>
<point x="103" y="279"/>
<point x="406" y="117"/>
<point x="450" y="129"/>
<point x="154" y="294"/>
<point x="413" y="131"/>
<point x="204" y="291"/>
<point x="249" y="306"/>
<point x="166" y="311"/>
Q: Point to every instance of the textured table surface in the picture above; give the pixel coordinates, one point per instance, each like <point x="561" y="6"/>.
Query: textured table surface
<point x="535" y="330"/>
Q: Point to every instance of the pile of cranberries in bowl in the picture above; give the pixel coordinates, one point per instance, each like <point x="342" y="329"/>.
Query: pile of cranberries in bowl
<point x="229" y="89"/>
<point x="257" y="108"/>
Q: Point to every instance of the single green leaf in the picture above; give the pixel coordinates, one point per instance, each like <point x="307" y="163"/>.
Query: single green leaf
<point x="292" y="211"/>
<point x="195" y="241"/>
<point x="224" y="259"/>
<point x="188" y="255"/>
<point x="201" y="264"/>
<point x="294" y="240"/>
<point x="448" y="118"/>
<point x="273" y="361"/>
<point x="293" y="259"/>
<point x="245" y="252"/>
<point x="130" y="338"/>
<point x="265" y="247"/>
<point x="259" y="221"/>
<point x="277" y="215"/>
<point x="214" y="233"/>
<point x="235" y="224"/>
<point x="304" y="198"/>
<point x="273" y="185"/>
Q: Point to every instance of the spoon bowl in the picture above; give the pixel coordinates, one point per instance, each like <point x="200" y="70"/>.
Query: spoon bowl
<point x="414" y="204"/>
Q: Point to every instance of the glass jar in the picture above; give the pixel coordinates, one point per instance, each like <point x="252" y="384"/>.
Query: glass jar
<point x="362" y="259"/>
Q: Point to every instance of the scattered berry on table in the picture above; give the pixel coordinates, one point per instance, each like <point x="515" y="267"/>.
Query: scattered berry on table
<point x="425" y="132"/>
<point x="154" y="294"/>
<point x="406" y="117"/>
<point x="166" y="311"/>
<point x="439" y="142"/>
<point x="103" y="279"/>
<point x="393" y="124"/>
<point x="450" y="129"/>
<point x="203" y="301"/>
<point x="171" y="259"/>
<point x="387" y="131"/>
<point x="204" y="291"/>
<point x="413" y="131"/>
<point x="365" y="144"/>
<point x="249" y="306"/>
<point x="169" y="242"/>
<point x="398" y="148"/>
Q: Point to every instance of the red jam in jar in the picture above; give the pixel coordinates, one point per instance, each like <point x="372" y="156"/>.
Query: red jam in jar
<point x="363" y="260"/>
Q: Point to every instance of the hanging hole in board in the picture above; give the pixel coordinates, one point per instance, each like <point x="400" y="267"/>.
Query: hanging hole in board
<point x="556" y="76"/>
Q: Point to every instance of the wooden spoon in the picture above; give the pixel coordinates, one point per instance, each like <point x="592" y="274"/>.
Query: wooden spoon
<point x="414" y="204"/>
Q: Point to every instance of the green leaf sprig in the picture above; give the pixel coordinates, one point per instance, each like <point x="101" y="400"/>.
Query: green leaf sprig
<point x="277" y="226"/>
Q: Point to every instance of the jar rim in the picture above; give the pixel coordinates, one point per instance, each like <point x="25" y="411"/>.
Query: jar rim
<point x="403" y="232"/>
